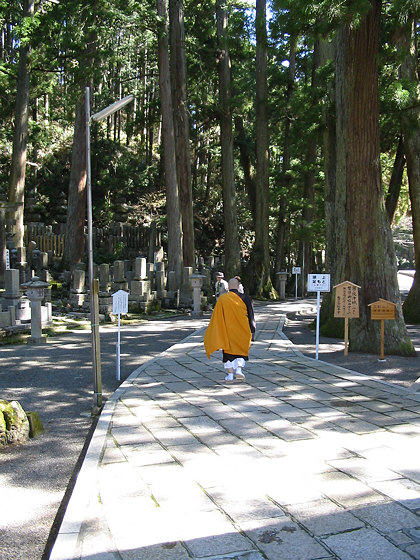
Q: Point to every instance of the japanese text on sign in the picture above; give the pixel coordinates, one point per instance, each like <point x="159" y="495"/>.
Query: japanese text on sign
<point x="382" y="309"/>
<point x="120" y="302"/>
<point x="296" y="270"/>
<point x="346" y="301"/>
<point x="318" y="282"/>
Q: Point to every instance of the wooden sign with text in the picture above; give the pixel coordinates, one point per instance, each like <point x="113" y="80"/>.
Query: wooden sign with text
<point x="379" y="311"/>
<point x="346" y="300"/>
<point x="382" y="309"/>
<point x="346" y="306"/>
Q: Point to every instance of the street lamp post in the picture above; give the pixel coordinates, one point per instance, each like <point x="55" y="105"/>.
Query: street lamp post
<point x="93" y="285"/>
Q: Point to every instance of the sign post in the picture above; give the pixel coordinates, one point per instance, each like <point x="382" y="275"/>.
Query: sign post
<point x="119" y="305"/>
<point x="296" y="270"/>
<point x="318" y="283"/>
<point x="347" y="306"/>
<point x="379" y="311"/>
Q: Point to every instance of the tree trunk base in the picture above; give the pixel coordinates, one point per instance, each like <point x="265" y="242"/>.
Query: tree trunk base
<point x="411" y="305"/>
<point x="259" y="282"/>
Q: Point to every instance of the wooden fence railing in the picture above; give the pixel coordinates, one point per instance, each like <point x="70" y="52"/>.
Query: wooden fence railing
<point x="127" y="238"/>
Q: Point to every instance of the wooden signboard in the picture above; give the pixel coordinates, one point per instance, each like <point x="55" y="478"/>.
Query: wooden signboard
<point x="346" y="300"/>
<point x="379" y="311"/>
<point x="346" y="306"/>
<point x="382" y="309"/>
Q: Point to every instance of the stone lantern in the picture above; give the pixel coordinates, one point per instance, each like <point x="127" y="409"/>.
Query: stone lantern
<point x="196" y="283"/>
<point x="282" y="279"/>
<point x="35" y="293"/>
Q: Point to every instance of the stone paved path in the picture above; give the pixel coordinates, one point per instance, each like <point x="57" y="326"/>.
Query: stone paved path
<point x="303" y="461"/>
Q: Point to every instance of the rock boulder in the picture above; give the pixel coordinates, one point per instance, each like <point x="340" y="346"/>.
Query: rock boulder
<point x="14" y="424"/>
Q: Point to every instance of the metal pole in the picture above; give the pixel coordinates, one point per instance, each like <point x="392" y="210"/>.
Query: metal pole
<point x="303" y="269"/>
<point x="318" y="306"/>
<point x="94" y="314"/>
<point x="118" y="349"/>
<point x="2" y="246"/>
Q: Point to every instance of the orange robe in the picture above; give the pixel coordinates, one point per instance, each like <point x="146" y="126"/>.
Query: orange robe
<point x="228" y="329"/>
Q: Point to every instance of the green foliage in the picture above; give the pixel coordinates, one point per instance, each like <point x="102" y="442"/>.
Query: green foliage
<point x="111" y="45"/>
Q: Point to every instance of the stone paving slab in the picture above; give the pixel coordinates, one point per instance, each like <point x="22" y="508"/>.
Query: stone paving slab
<point x="304" y="460"/>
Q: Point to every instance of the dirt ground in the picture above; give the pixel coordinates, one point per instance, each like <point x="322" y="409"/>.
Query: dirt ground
<point x="396" y="369"/>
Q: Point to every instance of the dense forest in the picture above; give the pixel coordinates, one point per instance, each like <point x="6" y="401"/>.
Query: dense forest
<point x="275" y="134"/>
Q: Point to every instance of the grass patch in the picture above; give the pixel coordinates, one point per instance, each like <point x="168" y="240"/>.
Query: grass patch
<point x="64" y="324"/>
<point x="16" y="338"/>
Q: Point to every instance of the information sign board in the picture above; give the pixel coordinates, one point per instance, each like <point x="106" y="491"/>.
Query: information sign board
<point x="120" y="302"/>
<point x="382" y="309"/>
<point x="346" y="300"/>
<point x="119" y="305"/>
<point x="318" y="282"/>
<point x="296" y="270"/>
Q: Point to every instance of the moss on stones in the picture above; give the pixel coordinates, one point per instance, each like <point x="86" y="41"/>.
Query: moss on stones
<point x="35" y="424"/>
<point x="3" y="435"/>
<point x="15" y="422"/>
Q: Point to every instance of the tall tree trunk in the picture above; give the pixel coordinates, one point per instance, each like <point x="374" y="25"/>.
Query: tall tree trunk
<point x="182" y="128"/>
<point x="20" y="136"/>
<point x="150" y="126"/>
<point x="169" y="154"/>
<point x="364" y="246"/>
<point x="308" y="211"/>
<point x="285" y="166"/>
<point x="393" y="194"/>
<point x="74" y="246"/>
<point x="245" y="158"/>
<point x="336" y="326"/>
<point x="261" y="284"/>
<point x="232" y="247"/>
<point x="410" y="125"/>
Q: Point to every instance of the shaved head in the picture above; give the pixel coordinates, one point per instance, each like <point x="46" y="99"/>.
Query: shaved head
<point x="233" y="284"/>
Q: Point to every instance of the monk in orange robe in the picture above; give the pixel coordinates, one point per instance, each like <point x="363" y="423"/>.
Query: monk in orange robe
<point x="231" y="329"/>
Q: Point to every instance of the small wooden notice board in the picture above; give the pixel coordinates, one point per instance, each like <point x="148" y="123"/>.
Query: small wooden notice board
<point x="379" y="311"/>
<point x="382" y="309"/>
<point x="346" y="306"/>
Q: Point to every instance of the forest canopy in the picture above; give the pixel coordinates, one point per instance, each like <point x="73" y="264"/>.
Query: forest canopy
<point x="265" y="74"/>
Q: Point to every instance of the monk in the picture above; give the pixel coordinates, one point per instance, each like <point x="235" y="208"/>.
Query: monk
<point x="231" y="329"/>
